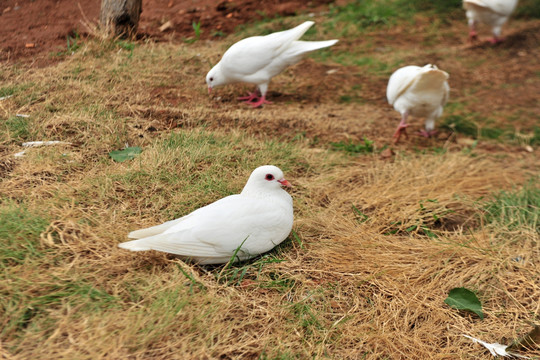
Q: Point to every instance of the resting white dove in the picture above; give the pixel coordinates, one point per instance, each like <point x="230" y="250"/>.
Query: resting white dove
<point x="491" y="12"/>
<point x="257" y="59"/>
<point x="254" y="221"/>
<point x="418" y="91"/>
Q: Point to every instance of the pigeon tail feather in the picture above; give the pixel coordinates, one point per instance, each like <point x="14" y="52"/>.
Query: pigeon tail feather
<point x="135" y="245"/>
<point x="300" y="47"/>
<point x="297" y="32"/>
<point x="154" y="230"/>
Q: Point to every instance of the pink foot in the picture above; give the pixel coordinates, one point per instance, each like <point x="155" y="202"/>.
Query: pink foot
<point x="495" y="40"/>
<point x="427" y="134"/>
<point x="251" y="96"/>
<point x="259" y="102"/>
<point x="473" y="36"/>
<point x="401" y="129"/>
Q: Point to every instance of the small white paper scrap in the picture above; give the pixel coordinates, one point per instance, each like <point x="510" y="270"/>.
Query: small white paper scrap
<point x="43" y="143"/>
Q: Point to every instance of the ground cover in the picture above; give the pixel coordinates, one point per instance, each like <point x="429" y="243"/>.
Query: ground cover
<point x="382" y="232"/>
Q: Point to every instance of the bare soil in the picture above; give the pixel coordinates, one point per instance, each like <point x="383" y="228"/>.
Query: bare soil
<point x="35" y="29"/>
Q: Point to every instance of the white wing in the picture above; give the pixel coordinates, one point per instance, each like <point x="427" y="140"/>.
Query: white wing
<point x="218" y="229"/>
<point x="255" y="53"/>
<point x="154" y="230"/>
<point x="400" y="81"/>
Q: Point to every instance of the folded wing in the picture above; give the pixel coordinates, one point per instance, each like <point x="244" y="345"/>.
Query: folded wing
<point x="255" y="53"/>
<point x="218" y="229"/>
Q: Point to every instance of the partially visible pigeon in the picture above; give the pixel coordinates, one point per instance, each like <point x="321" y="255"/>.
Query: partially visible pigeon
<point x="254" y="221"/>
<point x="491" y="12"/>
<point x="258" y="59"/>
<point x="418" y="91"/>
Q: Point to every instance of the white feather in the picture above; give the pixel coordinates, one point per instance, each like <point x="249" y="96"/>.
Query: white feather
<point x="255" y="221"/>
<point x="490" y="12"/>
<point x="419" y="91"/>
<point x="496" y="349"/>
<point x="258" y="59"/>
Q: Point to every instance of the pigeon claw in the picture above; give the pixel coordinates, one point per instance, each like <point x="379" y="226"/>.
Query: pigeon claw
<point x="427" y="134"/>
<point x="259" y="102"/>
<point x="495" y="40"/>
<point x="402" y="129"/>
<point x="251" y="96"/>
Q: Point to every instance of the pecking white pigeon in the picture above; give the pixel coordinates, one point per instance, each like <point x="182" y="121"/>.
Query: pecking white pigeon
<point x="256" y="60"/>
<point x="254" y="221"/>
<point x="491" y="12"/>
<point x="418" y="91"/>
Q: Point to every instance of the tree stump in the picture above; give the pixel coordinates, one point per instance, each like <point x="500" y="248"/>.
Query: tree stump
<point x="120" y="18"/>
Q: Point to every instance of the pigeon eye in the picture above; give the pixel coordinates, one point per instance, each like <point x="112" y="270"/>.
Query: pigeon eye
<point x="269" y="177"/>
<point x="211" y="79"/>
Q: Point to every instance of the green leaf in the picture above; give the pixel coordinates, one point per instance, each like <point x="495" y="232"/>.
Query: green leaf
<point x="126" y="154"/>
<point x="464" y="299"/>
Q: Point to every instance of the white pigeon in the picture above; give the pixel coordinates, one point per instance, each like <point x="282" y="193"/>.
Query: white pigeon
<point x="418" y="91"/>
<point x="491" y="12"/>
<point x="252" y="222"/>
<point x="258" y="59"/>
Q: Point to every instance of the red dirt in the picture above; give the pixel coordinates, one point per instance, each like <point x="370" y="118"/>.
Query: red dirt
<point x="31" y="30"/>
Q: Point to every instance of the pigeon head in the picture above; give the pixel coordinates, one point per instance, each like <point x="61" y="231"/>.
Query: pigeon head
<point x="214" y="78"/>
<point x="265" y="178"/>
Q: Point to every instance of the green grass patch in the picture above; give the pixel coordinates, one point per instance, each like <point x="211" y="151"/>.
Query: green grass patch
<point x="536" y="136"/>
<point x="515" y="209"/>
<point x="365" y="147"/>
<point x="528" y="9"/>
<point x="8" y="90"/>
<point x="17" y="128"/>
<point x="19" y="234"/>
<point x="365" y="15"/>
<point x="197" y="166"/>
<point x="26" y="304"/>
<point x="439" y="6"/>
<point x="466" y="126"/>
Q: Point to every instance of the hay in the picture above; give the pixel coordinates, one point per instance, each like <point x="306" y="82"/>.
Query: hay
<point x="362" y="282"/>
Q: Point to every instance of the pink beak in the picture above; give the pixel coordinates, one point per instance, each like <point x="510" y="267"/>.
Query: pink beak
<point x="284" y="182"/>
<point x="209" y="90"/>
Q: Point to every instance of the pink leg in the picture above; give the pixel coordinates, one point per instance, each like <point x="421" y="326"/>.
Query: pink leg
<point x="402" y="128"/>
<point x="427" y="134"/>
<point x="473" y="35"/>
<point x="262" y="100"/>
<point x="251" y="96"/>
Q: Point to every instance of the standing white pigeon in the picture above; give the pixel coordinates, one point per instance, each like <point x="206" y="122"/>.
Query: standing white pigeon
<point x="491" y="12"/>
<point x="258" y="59"/>
<point x="254" y="221"/>
<point x="418" y="91"/>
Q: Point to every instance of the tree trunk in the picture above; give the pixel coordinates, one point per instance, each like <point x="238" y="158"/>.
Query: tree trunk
<point x="120" y="18"/>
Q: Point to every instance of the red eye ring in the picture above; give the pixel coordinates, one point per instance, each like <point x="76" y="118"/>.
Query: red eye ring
<point x="269" y="177"/>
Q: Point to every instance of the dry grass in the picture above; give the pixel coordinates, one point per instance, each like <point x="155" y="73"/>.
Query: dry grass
<point x="379" y="240"/>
